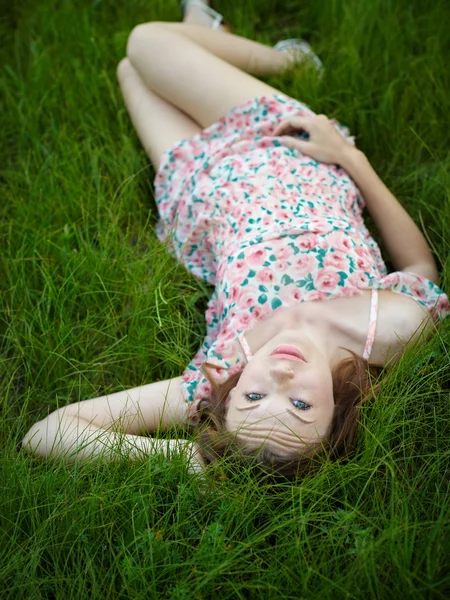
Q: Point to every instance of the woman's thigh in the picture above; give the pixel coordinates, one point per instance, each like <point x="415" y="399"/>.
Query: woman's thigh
<point x="158" y="124"/>
<point x="188" y="76"/>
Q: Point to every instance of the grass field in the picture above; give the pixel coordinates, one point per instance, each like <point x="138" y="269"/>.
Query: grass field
<point x="91" y="303"/>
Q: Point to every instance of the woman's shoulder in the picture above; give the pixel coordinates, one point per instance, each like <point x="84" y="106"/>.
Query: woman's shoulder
<point x="389" y="324"/>
<point x="401" y="321"/>
<point x="419" y="289"/>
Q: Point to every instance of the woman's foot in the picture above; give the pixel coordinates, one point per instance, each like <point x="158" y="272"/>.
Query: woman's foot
<point x="199" y="12"/>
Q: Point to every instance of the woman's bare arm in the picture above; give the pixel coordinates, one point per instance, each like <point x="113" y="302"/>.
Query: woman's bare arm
<point x="73" y="439"/>
<point x="108" y="426"/>
<point x="404" y="241"/>
<point x="141" y="409"/>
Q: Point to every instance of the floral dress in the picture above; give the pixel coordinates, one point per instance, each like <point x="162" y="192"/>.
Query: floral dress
<point x="269" y="227"/>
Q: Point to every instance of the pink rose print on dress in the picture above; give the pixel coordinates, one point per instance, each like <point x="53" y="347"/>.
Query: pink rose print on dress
<point x="230" y="334"/>
<point x="246" y="298"/>
<point x="178" y="153"/>
<point x="256" y="257"/>
<point x="349" y="292"/>
<point x="284" y="253"/>
<point x="315" y="296"/>
<point x="291" y="294"/>
<point x="311" y="211"/>
<point x="187" y="169"/>
<point x="273" y="106"/>
<point x="308" y="193"/>
<point x="278" y="171"/>
<point x="339" y="241"/>
<point x="266" y="275"/>
<point x="273" y="163"/>
<point x="225" y="348"/>
<point x="391" y="281"/>
<point x="359" y="279"/>
<point x="326" y="280"/>
<point x="233" y="294"/>
<point x="308" y="172"/>
<point x="238" y="271"/>
<point x="336" y="260"/>
<point x="419" y="290"/>
<point x="304" y="264"/>
<point x="226" y="330"/>
<point x="227" y="204"/>
<point x="236" y="212"/>
<point x="204" y="390"/>
<point x="281" y="266"/>
<point x="190" y="375"/>
<point x="215" y="191"/>
<point x="260" y="312"/>
<point x="243" y="321"/>
<point x="277" y="193"/>
<point x="364" y="261"/>
<point x="306" y="241"/>
<point x="282" y="215"/>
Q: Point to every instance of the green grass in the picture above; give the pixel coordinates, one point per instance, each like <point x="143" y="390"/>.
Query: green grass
<point x="91" y="303"/>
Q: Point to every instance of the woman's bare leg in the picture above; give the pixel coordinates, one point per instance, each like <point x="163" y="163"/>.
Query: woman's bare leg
<point x="158" y="124"/>
<point x="247" y="55"/>
<point x="200" y="71"/>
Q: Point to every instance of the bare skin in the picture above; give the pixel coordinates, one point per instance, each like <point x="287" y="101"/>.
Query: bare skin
<point x="291" y="402"/>
<point x="193" y="87"/>
<point x="197" y="76"/>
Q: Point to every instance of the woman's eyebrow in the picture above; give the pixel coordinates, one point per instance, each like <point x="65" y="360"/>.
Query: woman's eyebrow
<point x="291" y="411"/>
<point x="248" y="405"/>
<point x="295" y="414"/>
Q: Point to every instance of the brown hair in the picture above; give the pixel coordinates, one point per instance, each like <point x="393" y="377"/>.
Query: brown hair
<point x="352" y="386"/>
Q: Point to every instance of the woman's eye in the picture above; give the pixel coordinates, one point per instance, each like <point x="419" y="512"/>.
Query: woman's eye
<point x="300" y="404"/>
<point x="252" y="399"/>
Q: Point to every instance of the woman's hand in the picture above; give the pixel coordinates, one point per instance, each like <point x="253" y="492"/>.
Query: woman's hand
<point x="325" y="143"/>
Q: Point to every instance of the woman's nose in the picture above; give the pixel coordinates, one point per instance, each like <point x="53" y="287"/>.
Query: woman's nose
<point x="281" y="373"/>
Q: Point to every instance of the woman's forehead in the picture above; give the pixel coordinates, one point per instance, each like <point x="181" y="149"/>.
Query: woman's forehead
<point x="281" y="428"/>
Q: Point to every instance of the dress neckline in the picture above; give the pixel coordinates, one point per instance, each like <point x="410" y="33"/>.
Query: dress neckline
<point x="373" y="319"/>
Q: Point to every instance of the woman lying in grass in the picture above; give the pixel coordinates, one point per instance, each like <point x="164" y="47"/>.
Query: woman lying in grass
<point x="263" y="199"/>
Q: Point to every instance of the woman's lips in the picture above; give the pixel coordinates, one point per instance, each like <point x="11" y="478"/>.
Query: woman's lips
<point x="289" y="353"/>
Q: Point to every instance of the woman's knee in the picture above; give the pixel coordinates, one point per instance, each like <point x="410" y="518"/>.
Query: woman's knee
<point x="144" y="39"/>
<point x="123" y="69"/>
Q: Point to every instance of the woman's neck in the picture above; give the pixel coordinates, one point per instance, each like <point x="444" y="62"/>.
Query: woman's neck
<point x="332" y="324"/>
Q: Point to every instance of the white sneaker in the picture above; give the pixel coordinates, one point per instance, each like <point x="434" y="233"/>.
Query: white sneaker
<point x="300" y="51"/>
<point x="216" y="17"/>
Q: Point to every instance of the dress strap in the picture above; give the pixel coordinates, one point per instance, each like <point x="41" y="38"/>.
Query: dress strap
<point x="245" y="346"/>
<point x="372" y="325"/>
<point x="370" y="333"/>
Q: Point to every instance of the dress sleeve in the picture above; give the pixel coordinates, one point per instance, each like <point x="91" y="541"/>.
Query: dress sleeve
<point x="420" y="289"/>
<point x="195" y="385"/>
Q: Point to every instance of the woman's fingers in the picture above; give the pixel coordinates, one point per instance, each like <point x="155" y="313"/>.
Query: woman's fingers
<point x="291" y="142"/>
<point x="325" y="143"/>
<point x="293" y="123"/>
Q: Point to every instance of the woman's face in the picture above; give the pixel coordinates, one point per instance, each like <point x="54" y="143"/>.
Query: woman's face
<point x="284" y="396"/>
